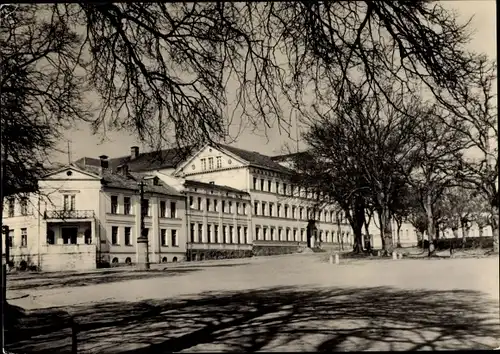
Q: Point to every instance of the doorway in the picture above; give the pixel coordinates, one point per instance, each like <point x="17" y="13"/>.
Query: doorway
<point x="69" y="235"/>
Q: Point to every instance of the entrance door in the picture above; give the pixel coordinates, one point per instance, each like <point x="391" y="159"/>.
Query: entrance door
<point x="69" y="235"/>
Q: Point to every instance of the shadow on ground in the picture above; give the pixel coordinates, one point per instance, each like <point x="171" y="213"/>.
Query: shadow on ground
<point x="284" y="319"/>
<point x="84" y="279"/>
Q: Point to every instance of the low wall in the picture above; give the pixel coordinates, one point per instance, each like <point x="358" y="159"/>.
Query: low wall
<point x="68" y="257"/>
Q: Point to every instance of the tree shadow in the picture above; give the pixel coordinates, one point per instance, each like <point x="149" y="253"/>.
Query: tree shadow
<point x="285" y="319"/>
<point x="85" y="279"/>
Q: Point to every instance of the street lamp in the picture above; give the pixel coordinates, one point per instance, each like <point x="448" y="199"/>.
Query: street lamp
<point x="142" y="240"/>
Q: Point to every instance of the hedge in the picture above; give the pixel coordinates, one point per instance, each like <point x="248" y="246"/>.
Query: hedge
<point x="471" y="242"/>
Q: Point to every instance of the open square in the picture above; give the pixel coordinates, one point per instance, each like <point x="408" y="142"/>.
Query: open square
<point x="282" y="303"/>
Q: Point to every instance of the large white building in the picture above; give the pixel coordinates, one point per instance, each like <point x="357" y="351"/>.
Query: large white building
<point x="220" y="202"/>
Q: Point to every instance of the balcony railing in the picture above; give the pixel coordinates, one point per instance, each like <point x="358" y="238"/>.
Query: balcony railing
<point x="69" y="214"/>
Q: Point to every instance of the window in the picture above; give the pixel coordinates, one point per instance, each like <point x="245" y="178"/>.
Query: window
<point x="69" y="202"/>
<point x="12" y="204"/>
<point x="145" y="207"/>
<point x="230" y="207"/>
<point x="244" y="209"/>
<point x="219" y="162"/>
<point x="163" y="237"/>
<point x="261" y="184"/>
<point x="208" y="204"/>
<point x="24" y="206"/>
<point x="277" y="187"/>
<point x="284" y="188"/>
<point x="209" y="233"/>
<point x="224" y="235"/>
<point x="126" y="235"/>
<point x="24" y="237"/>
<point x="278" y="210"/>
<point x="264" y="233"/>
<point x="288" y="235"/>
<point x="245" y="235"/>
<point x="216" y="207"/>
<point x="271" y="207"/>
<point x="216" y="233"/>
<point x="332" y="216"/>
<point x="191" y="201"/>
<point x="269" y="186"/>
<point x="301" y="213"/>
<point x="203" y="164"/>
<point x="200" y="207"/>
<point x="238" y="234"/>
<point x="294" y="212"/>
<point x="326" y="216"/>
<point x="200" y="233"/>
<point x="173" y="210"/>
<point x="51" y="237"/>
<point x="237" y="208"/>
<point x="163" y="209"/>
<point x="210" y="163"/>
<point x="302" y="238"/>
<point x="263" y="211"/>
<point x="295" y="234"/>
<point x="257" y="230"/>
<point x="327" y="235"/>
<point x="256" y="208"/>
<point x="272" y="233"/>
<point x="286" y="211"/>
<point x="126" y="205"/>
<point x="254" y="183"/>
<point x="223" y="206"/>
<point x="231" y="232"/>
<point x="280" y="234"/>
<point x="114" y="204"/>
<point x="114" y="235"/>
<point x="173" y="238"/>
<point x="191" y="233"/>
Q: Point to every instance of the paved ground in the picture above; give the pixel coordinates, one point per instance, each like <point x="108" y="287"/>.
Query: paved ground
<point x="287" y="303"/>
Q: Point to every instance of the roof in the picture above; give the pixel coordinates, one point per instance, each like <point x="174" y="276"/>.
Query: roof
<point x="256" y="159"/>
<point x="191" y="183"/>
<point x="147" y="161"/>
<point x="283" y="158"/>
<point x="117" y="180"/>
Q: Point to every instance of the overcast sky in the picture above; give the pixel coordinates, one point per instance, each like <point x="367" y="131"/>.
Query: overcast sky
<point x="83" y="143"/>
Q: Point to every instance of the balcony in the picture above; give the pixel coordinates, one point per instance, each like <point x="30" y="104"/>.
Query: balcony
<point x="68" y="214"/>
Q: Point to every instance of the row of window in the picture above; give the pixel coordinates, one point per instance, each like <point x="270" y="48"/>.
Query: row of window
<point x="281" y="188"/>
<point x="210" y="163"/>
<point x="11" y="205"/>
<point x="266" y="233"/>
<point x="213" y="234"/>
<point x="213" y="205"/>
<point x="127" y="236"/>
<point x="24" y="238"/>
<point x="284" y="211"/>
<point x="146" y="210"/>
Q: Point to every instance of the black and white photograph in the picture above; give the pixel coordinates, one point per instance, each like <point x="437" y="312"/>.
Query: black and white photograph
<point x="281" y="176"/>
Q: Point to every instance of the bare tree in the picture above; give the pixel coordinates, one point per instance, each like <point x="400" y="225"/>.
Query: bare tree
<point x="438" y="159"/>
<point x="40" y="93"/>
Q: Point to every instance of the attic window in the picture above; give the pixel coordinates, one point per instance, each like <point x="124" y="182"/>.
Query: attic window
<point x="212" y="182"/>
<point x="156" y="181"/>
<point x="69" y="173"/>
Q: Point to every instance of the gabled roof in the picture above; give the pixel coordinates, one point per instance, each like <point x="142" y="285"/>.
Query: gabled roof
<point x="256" y="159"/>
<point x="286" y="157"/>
<point x="130" y="182"/>
<point x="169" y="158"/>
<point x="191" y="183"/>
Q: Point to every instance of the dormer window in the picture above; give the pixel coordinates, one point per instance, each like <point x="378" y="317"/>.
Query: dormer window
<point x="156" y="181"/>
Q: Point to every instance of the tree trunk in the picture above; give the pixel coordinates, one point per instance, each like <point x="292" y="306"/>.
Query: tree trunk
<point x="420" y="238"/>
<point x="398" y="231"/>
<point x="430" y="224"/>
<point x="455" y="232"/>
<point x="367" y="230"/>
<point x="494" y="229"/>
<point x="386" y="228"/>
<point x="381" y="222"/>
<point x="465" y="233"/>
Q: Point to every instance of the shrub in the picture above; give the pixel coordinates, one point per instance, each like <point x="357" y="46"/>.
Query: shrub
<point x="471" y="242"/>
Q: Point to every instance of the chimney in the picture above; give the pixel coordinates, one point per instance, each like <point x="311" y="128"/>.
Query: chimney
<point x="134" y="152"/>
<point x="104" y="162"/>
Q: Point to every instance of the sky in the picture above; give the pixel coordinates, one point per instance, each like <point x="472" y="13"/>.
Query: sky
<point x="117" y="143"/>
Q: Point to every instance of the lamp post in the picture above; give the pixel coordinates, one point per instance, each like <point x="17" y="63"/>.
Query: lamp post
<point x="142" y="240"/>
